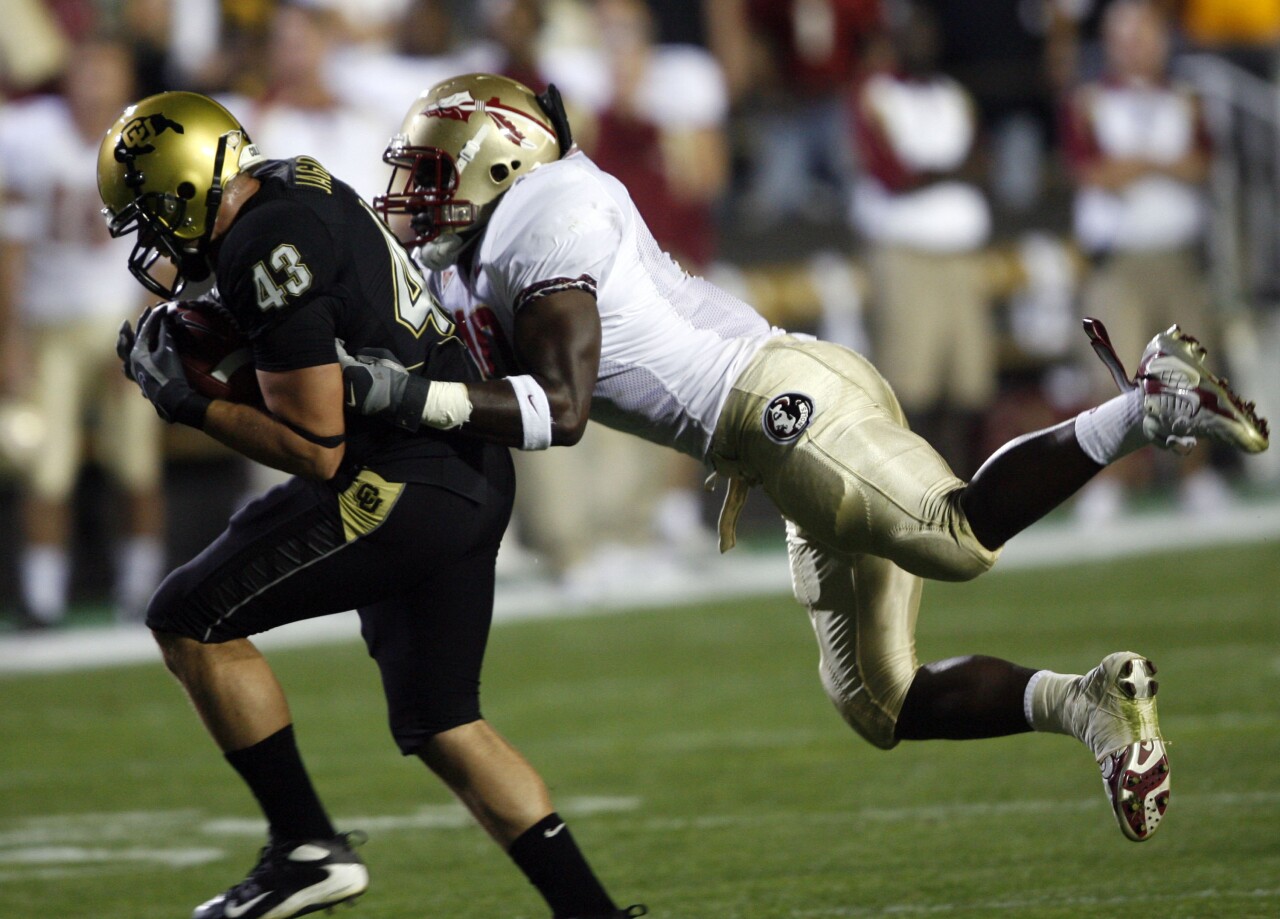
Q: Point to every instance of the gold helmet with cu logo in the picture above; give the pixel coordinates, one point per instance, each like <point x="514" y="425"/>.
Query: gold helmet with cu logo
<point x="162" y="168"/>
<point x="462" y="145"/>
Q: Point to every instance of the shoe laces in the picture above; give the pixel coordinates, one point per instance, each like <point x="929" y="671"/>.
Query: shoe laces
<point x="275" y="853"/>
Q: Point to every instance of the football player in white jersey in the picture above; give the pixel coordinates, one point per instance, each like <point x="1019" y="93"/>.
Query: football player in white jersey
<point x="575" y="313"/>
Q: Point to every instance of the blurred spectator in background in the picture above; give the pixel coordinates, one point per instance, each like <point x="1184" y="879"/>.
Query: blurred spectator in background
<point x="516" y="27"/>
<point x="1139" y="153"/>
<point x="188" y="43"/>
<point x="1074" y="52"/>
<point x="296" y="113"/>
<point x="927" y="224"/>
<point x="63" y="294"/>
<point x="795" y="114"/>
<point x="33" y="49"/>
<point x="660" y="130"/>
<point x="997" y="50"/>
<point x="423" y="46"/>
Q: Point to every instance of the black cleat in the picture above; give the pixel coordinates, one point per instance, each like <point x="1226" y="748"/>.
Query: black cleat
<point x="293" y="879"/>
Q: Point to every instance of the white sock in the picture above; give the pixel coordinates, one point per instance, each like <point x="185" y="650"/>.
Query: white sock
<point x="1113" y="429"/>
<point x="139" y="566"/>
<point x="44" y="572"/>
<point x="1048" y="703"/>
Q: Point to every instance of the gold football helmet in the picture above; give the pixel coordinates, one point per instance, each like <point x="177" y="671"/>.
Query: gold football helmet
<point x="464" y="142"/>
<point x="161" y="170"/>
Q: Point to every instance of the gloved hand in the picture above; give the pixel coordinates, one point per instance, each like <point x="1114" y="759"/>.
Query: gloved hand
<point x="124" y="342"/>
<point x="379" y="386"/>
<point x="152" y="361"/>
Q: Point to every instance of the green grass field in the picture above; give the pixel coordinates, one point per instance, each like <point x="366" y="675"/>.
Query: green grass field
<point x="702" y="768"/>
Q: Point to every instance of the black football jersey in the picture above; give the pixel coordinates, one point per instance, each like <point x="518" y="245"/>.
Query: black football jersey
<point x="306" y="262"/>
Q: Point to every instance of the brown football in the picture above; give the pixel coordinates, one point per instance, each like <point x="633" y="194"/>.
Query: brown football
<point x="217" y="358"/>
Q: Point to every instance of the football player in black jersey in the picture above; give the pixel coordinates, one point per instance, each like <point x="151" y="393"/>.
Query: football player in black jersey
<point x="403" y="528"/>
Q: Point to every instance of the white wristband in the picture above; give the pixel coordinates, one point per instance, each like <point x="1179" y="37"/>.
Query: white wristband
<point x="535" y="412"/>
<point x="448" y="405"/>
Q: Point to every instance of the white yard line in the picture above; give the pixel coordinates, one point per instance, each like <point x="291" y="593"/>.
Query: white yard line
<point x="737" y="574"/>
<point x="51" y="846"/>
<point x="1144" y="903"/>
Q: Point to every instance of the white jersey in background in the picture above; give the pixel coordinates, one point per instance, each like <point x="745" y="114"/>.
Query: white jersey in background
<point x="74" y="269"/>
<point x="672" y="344"/>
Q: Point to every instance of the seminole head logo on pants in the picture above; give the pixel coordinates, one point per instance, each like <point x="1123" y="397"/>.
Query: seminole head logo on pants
<point x="786" y="416"/>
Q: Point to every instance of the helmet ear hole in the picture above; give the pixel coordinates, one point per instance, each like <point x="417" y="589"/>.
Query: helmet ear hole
<point x="186" y="190"/>
<point x="499" y="172"/>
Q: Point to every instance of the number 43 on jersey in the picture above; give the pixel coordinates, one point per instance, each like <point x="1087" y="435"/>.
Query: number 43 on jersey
<point x="284" y="274"/>
<point x="293" y="274"/>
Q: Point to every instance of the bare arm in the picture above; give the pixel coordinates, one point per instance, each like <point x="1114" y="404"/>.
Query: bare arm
<point x="310" y="399"/>
<point x="557" y="341"/>
<point x="1116" y="173"/>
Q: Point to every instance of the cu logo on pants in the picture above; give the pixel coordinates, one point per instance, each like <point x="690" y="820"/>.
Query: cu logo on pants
<point x="368" y="498"/>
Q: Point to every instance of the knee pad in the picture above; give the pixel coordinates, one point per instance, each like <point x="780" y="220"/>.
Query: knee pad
<point x="868" y="702"/>
<point x="866" y="676"/>
<point x="169" y="611"/>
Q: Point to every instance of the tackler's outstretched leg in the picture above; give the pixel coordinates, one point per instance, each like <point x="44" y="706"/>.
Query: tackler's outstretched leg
<point x="1171" y="402"/>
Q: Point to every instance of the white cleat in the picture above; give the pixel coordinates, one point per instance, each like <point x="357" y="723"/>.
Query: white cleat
<point x="1122" y="730"/>
<point x="1181" y="398"/>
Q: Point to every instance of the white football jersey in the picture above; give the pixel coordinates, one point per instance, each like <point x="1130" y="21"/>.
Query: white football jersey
<point x="1155" y="211"/>
<point x="672" y="344"/>
<point x="73" y="268"/>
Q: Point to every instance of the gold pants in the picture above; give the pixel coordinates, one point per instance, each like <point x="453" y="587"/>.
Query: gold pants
<point x="871" y="509"/>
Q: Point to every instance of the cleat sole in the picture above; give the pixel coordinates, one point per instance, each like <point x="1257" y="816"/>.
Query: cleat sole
<point x="1136" y="780"/>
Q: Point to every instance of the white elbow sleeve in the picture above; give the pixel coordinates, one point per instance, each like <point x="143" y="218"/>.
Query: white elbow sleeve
<point x="535" y="412"/>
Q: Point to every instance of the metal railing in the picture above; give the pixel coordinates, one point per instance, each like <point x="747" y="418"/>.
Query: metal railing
<point x="1242" y="112"/>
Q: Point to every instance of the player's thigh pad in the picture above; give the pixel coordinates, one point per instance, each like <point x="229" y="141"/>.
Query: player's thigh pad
<point x="285" y="556"/>
<point x="863" y="611"/>
<point x="822" y="432"/>
<point x="307" y="549"/>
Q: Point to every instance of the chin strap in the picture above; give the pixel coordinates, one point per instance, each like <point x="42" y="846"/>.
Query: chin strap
<point x="553" y="106"/>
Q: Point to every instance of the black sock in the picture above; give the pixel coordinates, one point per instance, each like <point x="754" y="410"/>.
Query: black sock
<point x="273" y="770"/>
<point x="552" y="862"/>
